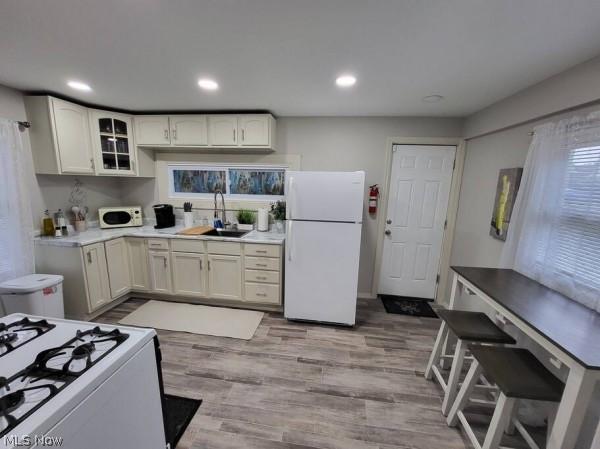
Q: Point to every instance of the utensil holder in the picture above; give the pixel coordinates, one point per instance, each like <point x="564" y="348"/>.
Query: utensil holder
<point x="188" y="219"/>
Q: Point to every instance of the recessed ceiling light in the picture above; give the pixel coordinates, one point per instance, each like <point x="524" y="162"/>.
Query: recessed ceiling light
<point x="208" y="84"/>
<point x="78" y="85"/>
<point x="345" y="81"/>
<point x="433" y="98"/>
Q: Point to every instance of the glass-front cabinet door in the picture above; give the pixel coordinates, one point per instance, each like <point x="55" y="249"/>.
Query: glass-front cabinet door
<point x="113" y="139"/>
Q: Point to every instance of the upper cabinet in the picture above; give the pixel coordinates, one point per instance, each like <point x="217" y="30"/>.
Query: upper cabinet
<point x="69" y="139"/>
<point x="152" y="130"/>
<point x="214" y="131"/>
<point x="60" y="137"/>
<point x="113" y="143"/>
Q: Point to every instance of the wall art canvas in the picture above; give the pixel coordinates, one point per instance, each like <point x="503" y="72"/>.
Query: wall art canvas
<point x="198" y="181"/>
<point x="509" y="180"/>
<point x="256" y="182"/>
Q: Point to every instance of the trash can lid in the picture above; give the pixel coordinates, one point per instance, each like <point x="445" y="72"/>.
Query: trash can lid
<point x="30" y="283"/>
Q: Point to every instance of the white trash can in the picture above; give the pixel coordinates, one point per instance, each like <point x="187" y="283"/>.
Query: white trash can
<point x="34" y="294"/>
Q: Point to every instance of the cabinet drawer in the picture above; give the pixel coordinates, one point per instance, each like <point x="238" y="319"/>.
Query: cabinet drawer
<point x="262" y="250"/>
<point x="188" y="246"/>
<point x="228" y="248"/>
<point x="261" y="263"/>
<point x="158" y="244"/>
<point x="267" y="293"/>
<point x="269" y="277"/>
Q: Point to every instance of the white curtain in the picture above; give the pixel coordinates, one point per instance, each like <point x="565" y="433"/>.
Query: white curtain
<point x="554" y="236"/>
<point x="16" y="226"/>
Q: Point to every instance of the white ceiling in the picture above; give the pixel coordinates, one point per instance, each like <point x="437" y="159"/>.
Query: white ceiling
<point x="284" y="55"/>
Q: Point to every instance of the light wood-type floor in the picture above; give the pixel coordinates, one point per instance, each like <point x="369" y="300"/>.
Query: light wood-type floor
<point x="298" y="385"/>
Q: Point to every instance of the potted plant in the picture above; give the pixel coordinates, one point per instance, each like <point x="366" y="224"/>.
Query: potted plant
<point x="245" y="218"/>
<point x="278" y="213"/>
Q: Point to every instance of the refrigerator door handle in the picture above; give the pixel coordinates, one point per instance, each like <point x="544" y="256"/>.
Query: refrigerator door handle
<point x="290" y="239"/>
<point x="291" y="198"/>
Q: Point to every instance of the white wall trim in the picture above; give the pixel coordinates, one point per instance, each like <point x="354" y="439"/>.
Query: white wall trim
<point x="450" y="214"/>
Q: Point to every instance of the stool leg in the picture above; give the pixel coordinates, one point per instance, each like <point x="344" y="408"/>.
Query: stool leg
<point x="457" y="365"/>
<point x="502" y="414"/>
<point x="437" y="351"/>
<point x="464" y="393"/>
<point x="510" y="425"/>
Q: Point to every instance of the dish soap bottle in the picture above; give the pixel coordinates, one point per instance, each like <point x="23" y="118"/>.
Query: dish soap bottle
<point x="47" y="224"/>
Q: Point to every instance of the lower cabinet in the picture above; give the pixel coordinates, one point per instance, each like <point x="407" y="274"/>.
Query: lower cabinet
<point x="96" y="275"/>
<point x="225" y="277"/>
<point x="117" y="260"/>
<point x="189" y="274"/>
<point x="138" y="264"/>
<point x="160" y="271"/>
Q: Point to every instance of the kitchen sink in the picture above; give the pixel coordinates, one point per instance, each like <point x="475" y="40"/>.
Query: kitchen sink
<point x="226" y="233"/>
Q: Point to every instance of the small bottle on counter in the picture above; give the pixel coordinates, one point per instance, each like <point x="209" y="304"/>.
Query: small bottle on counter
<point x="47" y="224"/>
<point x="60" y="229"/>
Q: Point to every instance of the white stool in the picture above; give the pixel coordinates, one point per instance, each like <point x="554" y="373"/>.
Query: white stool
<point x="468" y="327"/>
<point x="518" y="375"/>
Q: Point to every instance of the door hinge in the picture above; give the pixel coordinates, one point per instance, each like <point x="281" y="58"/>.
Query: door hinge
<point x="437" y="279"/>
<point x="454" y="164"/>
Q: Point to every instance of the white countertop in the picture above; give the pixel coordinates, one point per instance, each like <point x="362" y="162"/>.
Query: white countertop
<point x="96" y="235"/>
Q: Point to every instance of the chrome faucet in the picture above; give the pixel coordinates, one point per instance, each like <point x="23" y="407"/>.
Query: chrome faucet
<point x="223" y="219"/>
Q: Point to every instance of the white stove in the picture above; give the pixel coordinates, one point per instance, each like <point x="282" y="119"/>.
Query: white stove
<point x="82" y="384"/>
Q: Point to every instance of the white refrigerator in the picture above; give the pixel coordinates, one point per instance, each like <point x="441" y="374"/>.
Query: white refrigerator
<point x="324" y="220"/>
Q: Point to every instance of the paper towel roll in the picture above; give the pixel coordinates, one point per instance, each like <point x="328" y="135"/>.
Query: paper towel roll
<point x="263" y="219"/>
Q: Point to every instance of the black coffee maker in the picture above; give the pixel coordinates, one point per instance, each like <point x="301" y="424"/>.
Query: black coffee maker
<point x="165" y="218"/>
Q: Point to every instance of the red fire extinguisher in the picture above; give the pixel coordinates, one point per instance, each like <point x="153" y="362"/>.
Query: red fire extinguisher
<point x="373" y="198"/>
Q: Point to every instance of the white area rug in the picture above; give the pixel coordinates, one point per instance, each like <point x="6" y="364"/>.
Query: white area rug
<point x="205" y="320"/>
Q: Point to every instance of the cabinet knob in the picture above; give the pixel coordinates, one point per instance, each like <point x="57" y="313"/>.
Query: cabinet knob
<point x="243" y="134"/>
<point x="89" y="257"/>
<point x="174" y="134"/>
<point x="166" y="134"/>
<point x="388" y="232"/>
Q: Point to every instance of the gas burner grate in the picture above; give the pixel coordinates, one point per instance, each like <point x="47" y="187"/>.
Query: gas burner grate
<point x="18" y="333"/>
<point x="52" y="370"/>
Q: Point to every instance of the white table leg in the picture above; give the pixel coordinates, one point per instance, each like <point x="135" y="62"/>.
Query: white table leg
<point x="452" y="387"/>
<point x="572" y="408"/>
<point x="454" y="293"/>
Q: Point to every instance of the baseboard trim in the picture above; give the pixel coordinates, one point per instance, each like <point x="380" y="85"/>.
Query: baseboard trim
<point x="367" y="295"/>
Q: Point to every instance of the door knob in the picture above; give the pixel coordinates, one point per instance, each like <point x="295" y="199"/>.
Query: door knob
<point x="388" y="221"/>
<point x="388" y="232"/>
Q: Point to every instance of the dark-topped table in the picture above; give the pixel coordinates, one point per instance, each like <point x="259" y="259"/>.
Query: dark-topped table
<point x="569" y="331"/>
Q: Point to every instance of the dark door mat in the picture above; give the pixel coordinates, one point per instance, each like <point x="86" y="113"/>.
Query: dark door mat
<point x="407" y="306"/>
<point x="178" y="414"/>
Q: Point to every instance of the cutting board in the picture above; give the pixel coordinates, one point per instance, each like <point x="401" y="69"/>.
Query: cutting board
<point x="197" y="230"/>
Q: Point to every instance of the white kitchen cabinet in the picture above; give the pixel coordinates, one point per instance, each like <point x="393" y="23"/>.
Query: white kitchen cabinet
<point x="224" y="277"/>
<point x="60" y="138"/>
<point x="113" y="143"/>
<point x="160" y="271"/>
<point x="117" y="262"/>
<point x="254" y="130"/>
<point x="138" y="264"/>
<point x="189" y="274"/>
<point x="96" y="275"/>
<point x="189" y="130"/>
<point x="223" y="130"/>
<point x="152" y="130"/>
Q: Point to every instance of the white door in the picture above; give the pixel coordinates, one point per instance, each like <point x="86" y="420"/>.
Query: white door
<point x="117" y="261"/>
<point x="416" y="214"/>
<point x="325" y="196"/>
<point x="190" y="130"/>
<point x="73" y="137"/>
<point x="96" y="276"/>
<point x="152" y="130"/>
<point x="224" y="277"/>
<point x="321" y="271"/>
<point x="160" y="271"/>
<point x="254" y="130"/>
<point x="189" y="276"/>
<point x="138" y="263"/>
<point x="222" y="130"/>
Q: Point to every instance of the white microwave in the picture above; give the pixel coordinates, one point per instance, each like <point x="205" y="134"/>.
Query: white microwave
<point x="120" y="217"/>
